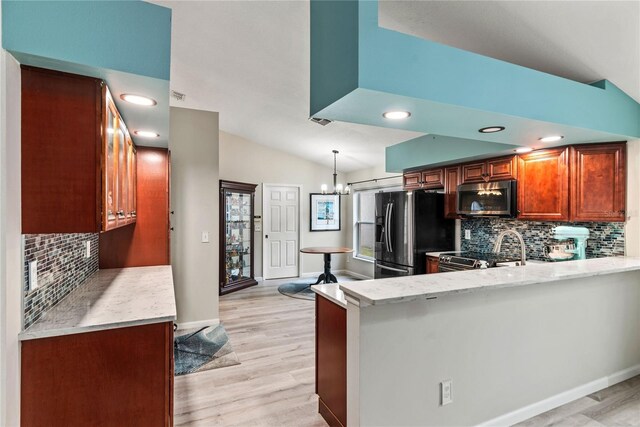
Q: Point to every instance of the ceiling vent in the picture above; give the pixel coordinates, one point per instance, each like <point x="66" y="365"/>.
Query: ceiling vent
<point x="320" y="121"/>
<point x="178" y="96"/>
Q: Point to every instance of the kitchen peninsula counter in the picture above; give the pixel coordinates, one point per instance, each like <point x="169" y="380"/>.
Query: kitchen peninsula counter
<point x="110" y="299"/>
<point x="429" y="286"/>
<point x="538" y="336"/>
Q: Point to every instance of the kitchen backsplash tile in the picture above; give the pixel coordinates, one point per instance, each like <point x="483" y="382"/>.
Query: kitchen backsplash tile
<point x="606" y="238"/>
<point x="62" y="267"/>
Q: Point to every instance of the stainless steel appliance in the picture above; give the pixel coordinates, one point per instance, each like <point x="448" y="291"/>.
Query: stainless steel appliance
<point x="461" y="261"/>
<point x="488" y="199"/>
<point x="409" y="224"/>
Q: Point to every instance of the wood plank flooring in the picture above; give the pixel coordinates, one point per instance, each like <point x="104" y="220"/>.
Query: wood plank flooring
<point x="618" y="405"/>
<point x="273" y="336"/>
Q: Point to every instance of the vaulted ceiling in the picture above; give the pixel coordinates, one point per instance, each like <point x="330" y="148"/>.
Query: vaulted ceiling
<point x="249" y="60"/>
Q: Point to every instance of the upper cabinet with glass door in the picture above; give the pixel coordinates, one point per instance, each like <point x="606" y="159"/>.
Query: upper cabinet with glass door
<point x="119" y="177"/>
<point x="76" y="155"/>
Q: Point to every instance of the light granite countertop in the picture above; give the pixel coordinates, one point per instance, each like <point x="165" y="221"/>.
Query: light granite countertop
<point x="332" y="292"/>
<point x="427" y="286"/>
<point x="109" y="299"/>
<point x="437" y="254"/>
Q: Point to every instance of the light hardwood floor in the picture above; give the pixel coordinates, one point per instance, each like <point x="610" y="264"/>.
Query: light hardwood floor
<point x="618" y="405"/>
<point x="273" y="336"/>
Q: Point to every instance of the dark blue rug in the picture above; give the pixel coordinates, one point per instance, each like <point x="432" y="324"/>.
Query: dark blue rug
<point x="197" y="350"/>
<point x="301" y="288"/>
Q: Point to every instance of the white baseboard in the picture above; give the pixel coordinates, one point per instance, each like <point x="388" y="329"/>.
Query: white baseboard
<point x="560" y="399"/>
<point x="259" y="279"/>
<point x="356" y="275"/>
<point x="198" y="324"/>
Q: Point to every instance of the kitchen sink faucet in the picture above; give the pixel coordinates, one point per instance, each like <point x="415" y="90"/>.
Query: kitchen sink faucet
<point x="498" y="245"/>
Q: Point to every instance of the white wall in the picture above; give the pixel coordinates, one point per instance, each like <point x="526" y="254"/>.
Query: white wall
<point x="632" y="228"/>
<point x="193" y="143"/>
<point x="502" y="349"/>
<point x="353" y="264"/>
<point x="10" y="241"/>
<point x="245" y="161"/>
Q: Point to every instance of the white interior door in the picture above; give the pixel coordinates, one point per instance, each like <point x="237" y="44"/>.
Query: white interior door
<point x="281" y="236"/>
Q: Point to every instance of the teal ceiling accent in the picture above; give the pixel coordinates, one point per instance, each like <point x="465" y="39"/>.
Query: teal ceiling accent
<point x="438" y="150"/>
<point x="126" y="43"/>
<point x="129" y="36"/>
<point x="450" y="92"/>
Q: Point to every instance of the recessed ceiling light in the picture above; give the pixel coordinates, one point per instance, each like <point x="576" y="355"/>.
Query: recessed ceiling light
<point x="523" y="150"/>
<point x="146" y="133"/>
<point x="551" y="138"/>
<point x="491" y="129"/>
<point x="138" y="99"/>
<point x="396" y="115"/>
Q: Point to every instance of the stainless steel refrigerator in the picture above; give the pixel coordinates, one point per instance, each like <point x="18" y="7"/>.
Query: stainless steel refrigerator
<point x="409" y="224"/>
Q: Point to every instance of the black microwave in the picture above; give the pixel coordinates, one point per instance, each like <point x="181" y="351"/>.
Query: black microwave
<point x="488" y="199"/>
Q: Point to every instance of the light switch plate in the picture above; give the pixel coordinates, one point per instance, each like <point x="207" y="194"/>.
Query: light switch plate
<point x="205" y="237"/>
<point x="33" y="274"/>
<point x="467" y="234"/>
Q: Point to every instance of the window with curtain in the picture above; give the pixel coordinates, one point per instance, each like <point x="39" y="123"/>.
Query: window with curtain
<point x="364" y="216"/>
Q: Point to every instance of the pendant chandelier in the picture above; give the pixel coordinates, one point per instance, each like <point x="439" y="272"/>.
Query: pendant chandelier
<point x="337" y="188"/>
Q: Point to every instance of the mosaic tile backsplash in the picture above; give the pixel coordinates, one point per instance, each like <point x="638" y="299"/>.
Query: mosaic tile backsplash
<point x="62" y="267"/>
<point x="606" y="238"/>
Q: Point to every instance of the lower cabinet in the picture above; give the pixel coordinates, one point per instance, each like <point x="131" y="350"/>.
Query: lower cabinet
<point x="113" y="377"/>
<point x="433" y="264"/>
<point x="331" y="361"/>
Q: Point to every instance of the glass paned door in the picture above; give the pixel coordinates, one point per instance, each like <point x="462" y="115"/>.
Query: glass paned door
<point x="238" y="236"/>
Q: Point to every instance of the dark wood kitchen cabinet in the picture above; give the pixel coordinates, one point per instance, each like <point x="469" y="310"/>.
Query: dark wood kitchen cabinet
<point x="543" y="185"/>
<point x="331" y="361"/>
<point x="427" y="179"/>
<point x="598" y="182"/>
<point x="433" y="264"/>
<point x="502" y="168"/>
<point x="451" y="182"/>
<point x="411" y="180"/>
<point x="75" y="155"/>
<point x="114" y="377"/>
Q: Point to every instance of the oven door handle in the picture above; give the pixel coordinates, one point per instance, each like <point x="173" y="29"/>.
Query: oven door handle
<point x="399" y="270"/>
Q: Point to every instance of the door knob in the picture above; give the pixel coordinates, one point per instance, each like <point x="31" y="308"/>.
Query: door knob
<point x="266" y="236"/>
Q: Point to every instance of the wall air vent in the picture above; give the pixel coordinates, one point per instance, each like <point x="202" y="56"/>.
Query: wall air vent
<point x="178" y="96"/>
<point x="320" y="121"/>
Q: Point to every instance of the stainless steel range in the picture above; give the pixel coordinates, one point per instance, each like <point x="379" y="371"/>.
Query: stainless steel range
<point x="460" y="261"/>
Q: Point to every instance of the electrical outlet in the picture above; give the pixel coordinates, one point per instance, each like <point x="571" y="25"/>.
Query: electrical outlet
<point x="205" y="237"/>
<point x="445" y="393"/>
<point x="88" y="253"/>
<point x="33" y="274"/>
<point x="467" y="234"/>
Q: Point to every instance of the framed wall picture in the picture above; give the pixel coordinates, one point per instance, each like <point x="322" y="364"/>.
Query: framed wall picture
<point x="325" y="212"/>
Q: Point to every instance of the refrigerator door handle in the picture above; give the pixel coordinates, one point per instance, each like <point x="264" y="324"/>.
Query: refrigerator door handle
<point x="398" y="270"/>
<point x="389" y="237"/>
<point x="386" y="227"/>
